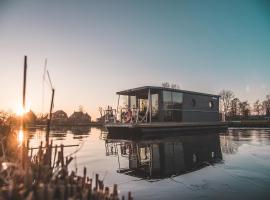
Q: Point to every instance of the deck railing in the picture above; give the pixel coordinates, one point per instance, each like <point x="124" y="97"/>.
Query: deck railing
<point x="110" y="115"/>
<point x="133" y="115"/>
<point x="125" y="115"/>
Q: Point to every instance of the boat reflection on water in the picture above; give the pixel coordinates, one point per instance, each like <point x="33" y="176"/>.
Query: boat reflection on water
<point x="161" y="156"/>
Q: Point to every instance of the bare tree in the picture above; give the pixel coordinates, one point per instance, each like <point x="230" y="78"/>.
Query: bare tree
<point x="166" y="85"/>
<point x="81" y="108"/>
<point x="258" y="107"/>
<point x="244" y="108"/>
<point x="172" y="85"/>
<point x="100" y="111"/>
<point x="225" y="97"/>
<point x="266" y="105"/>
<point x="175" y="86"/>
<point x="234" y="110"/>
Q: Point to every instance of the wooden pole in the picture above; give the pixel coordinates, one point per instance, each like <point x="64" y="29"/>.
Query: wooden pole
<point x="24" y="89"/>
<point x="49" y="119"/>
<point x="23" y="110"/>
<point x="24" y="79"/>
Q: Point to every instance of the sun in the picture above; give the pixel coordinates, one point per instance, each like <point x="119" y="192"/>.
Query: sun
<point x="21" y="111"/>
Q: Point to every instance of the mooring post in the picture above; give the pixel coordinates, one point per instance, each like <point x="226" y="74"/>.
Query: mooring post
<point x="49" y="119"/>
<point x="24" y="89"/>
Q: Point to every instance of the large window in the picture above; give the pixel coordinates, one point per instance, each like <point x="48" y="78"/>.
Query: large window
<point x="123" y="101"/>
<point x="167" y="100"/>
<point x="154" y="104"/>
<point x="133" y="102"/>
<point x="177" y="99"/>
<point x="172" y="106"/>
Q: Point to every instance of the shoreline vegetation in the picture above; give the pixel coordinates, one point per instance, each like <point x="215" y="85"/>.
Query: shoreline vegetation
<point x="42" y="173"/>
<point x="233" y="109"/>
<point x="59" y="118"/>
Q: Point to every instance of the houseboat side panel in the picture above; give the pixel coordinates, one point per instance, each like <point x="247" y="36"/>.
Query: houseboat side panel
<point x="200" y="108"/>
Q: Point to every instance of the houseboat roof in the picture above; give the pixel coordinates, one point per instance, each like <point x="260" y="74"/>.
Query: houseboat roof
<point x="155" y="89"/>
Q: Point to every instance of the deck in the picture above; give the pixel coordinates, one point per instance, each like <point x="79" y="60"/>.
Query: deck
<point x="164" y="127"/>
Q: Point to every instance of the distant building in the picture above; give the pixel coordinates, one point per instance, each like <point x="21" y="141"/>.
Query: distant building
<point x="79" y="118"/>
<point x="59" y="117"/>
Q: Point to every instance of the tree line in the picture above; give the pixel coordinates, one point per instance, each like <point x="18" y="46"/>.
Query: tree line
<point x="232" y="107"/>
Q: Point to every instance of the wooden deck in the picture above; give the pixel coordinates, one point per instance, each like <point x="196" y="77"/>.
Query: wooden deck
<point x="164" y="127"/>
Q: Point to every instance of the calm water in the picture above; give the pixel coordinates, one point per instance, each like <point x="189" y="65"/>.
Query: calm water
<point x="231" y="165"/>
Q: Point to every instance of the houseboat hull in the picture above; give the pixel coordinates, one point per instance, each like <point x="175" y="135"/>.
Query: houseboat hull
<point x="164" y="127"/>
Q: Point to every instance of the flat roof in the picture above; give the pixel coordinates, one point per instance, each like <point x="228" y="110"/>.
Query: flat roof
<point x="155" y="89"/>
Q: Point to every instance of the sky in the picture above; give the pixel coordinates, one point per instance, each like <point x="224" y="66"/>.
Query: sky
<point x="96" y="48"/>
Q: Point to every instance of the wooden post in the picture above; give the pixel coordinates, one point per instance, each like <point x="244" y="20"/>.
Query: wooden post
<point x="24" y="88"/>
<point x="97" y="175"/>
<point x="129" y="196"/>
<point x="22" y="117"/>
<point x="49" y="119"/>
<point x="84" y="176"/>
<point x="62" y="156"/>
<point x="115" y="191"/>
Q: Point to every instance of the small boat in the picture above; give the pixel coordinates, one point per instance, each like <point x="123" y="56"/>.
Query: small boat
<point x="159" y="109"/>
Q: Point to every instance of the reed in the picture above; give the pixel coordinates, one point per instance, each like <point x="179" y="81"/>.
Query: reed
<point x="45" y="176"/>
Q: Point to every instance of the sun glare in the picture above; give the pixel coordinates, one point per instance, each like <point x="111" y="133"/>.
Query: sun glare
<point x="20" y="137"/>
<point x="21" y="111"/>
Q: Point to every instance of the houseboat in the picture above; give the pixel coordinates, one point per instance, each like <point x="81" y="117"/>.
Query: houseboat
<point x="159" y="109"/>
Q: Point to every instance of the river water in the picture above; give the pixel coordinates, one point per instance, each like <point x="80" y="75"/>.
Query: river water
<point x="226" y="165"/>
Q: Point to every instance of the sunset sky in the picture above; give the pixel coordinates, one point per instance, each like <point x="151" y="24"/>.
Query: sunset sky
<point x="95" y="48"/>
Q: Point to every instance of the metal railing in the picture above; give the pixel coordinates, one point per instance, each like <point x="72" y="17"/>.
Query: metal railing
<point x="125" y="115"/>
<point x="133" y="115"/>
<point x="110" y="115"/>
